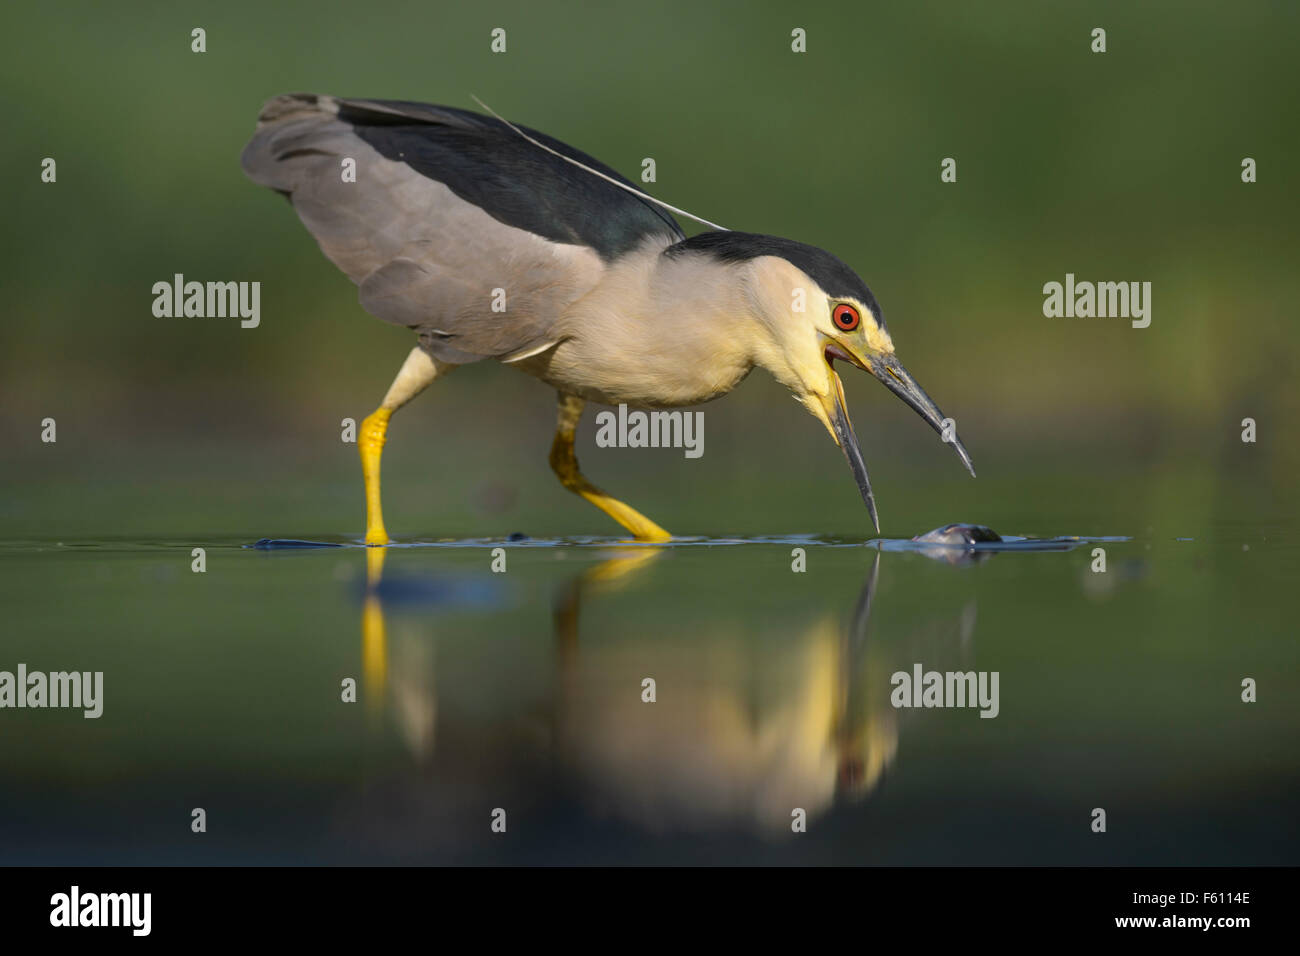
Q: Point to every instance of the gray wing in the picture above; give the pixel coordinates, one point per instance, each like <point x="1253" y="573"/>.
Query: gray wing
<point x="448" y="207"/>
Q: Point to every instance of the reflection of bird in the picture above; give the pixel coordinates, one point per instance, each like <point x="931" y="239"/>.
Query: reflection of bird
<point x="738" y="736"/>
<point x="491" y="241"/>
<point x="745" y="727"/>
<point x="736" y="739"/>
<point x="411" y="685"/>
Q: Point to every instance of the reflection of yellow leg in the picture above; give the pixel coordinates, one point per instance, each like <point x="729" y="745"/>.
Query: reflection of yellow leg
<point x="620" y="567"/>
<point x="375" y="641"/>
<point x="416" y="373"/>
<point x="374" y="634"/>
<point x="565" y="465"/>
<point x="611" y="573"/>
<point x="374" y="654"/>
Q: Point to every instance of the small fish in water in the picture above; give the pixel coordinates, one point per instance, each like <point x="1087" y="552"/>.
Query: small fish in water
<point x="956" y="543"/>
<point x="959" y="535"/>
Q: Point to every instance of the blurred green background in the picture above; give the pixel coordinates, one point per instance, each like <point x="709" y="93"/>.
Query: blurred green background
<point x="1115" y="166"/>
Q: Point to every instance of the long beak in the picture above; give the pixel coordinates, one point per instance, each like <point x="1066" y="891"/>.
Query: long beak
<point x="889" y="370"/>
<point x="835" y="415"/>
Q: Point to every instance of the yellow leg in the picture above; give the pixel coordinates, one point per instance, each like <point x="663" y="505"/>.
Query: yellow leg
<point x="374" y="432"/>
<point x="416" y="373"/>
<point x="565" y="465"/>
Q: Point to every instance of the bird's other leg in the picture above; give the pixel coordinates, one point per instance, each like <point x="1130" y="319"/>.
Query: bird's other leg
<point x="565" y="465"/>
<point x="416" y="373"/>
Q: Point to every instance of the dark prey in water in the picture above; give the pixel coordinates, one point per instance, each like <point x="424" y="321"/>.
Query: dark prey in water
<point x="959" y="535"/>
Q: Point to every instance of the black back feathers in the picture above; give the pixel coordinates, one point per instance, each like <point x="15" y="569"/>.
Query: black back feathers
<point x="488" y="164"/>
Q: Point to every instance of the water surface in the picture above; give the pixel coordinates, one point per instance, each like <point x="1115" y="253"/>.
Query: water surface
<point x="523" y="690"/>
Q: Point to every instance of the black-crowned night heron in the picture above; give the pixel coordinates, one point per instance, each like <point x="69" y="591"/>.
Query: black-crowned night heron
<point x="606" y="300"/>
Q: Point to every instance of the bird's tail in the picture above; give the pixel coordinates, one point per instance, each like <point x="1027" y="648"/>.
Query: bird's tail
<point x="292" y="125"/>
<point x="290" y="104"/>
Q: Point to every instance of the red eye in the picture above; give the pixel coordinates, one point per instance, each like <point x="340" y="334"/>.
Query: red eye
<point x="845" y="318"/>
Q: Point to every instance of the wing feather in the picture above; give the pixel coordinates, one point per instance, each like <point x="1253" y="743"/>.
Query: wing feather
<point x="446" y="210"/>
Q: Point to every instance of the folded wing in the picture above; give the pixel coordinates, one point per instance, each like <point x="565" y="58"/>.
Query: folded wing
<point x="455" y="226"/>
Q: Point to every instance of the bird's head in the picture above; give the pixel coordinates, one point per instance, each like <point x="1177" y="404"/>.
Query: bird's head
<point x="817" y="311"/>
